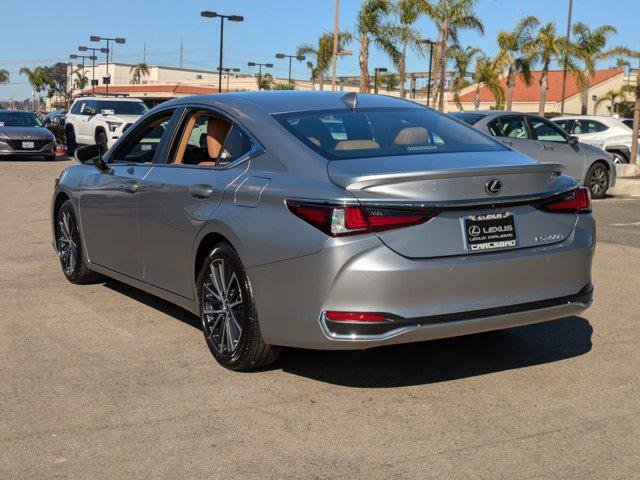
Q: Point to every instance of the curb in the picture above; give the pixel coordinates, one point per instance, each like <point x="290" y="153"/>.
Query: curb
<point x="626" y="187"/>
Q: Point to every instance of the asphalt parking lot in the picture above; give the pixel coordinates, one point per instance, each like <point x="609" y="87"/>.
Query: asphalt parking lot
<point x="104" y="381"/>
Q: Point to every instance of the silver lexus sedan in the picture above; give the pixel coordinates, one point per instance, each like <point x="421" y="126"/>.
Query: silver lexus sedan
<point x="326" y="221"/>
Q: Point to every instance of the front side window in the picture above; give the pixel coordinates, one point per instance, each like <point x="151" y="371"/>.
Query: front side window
<point x="142" y="145"/>
<point x="210" y="140"/>
<point x="19" y="119"/>
<point x="377" y="132"/>
<point x="547" y="132"/>
<point x="510" y="127"/>
<point x="76" y="108"/>
<point x="564" y="124"/>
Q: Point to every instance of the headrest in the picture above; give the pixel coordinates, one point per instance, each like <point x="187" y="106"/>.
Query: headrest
<point x="356" y="145"/>
<point x="216" y="132"/>
<point x="412" y="136"/>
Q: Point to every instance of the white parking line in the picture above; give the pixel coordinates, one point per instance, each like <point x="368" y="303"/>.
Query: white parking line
<point x="624" y="224"/>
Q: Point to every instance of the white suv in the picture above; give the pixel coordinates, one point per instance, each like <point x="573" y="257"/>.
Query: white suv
<point x="606" y="133"/>
<point x="100" y="119"/>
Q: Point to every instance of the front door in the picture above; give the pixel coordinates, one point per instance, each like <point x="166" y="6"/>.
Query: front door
<point x="177" y="198"/>
<point x="109" y="201"/>
<point x="556" y="147"/>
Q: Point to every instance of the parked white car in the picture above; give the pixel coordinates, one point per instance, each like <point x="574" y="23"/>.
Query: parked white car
<point x="607" y="133"/>
<point x="100" y="119"/>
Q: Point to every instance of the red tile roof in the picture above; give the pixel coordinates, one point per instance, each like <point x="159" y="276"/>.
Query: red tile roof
<point x="175" y="88"/>
<point x="531" y="93"/>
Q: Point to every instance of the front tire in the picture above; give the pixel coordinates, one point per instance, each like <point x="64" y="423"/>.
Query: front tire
<point x="618" y="158"/>
<point x="70" y="138"/>
<point x="69" y="246"/>
<point x="228" y="313"/>
<point x="50" y="158"/>
<point x="598" y="180"/>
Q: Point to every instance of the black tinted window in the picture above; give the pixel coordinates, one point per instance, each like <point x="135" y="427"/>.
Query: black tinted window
<point x="377" y="132"/>
<point x="76" y="108"/>
<point x="237" y="145"/>
<point x="121" y="107"/>
<point x="564" y="124"/>
<point x="589" y="126"/>
<point x="19" y="119"/>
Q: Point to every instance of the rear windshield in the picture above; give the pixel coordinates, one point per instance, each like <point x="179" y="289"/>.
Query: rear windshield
<point x="379" y="132"/>
<point x="470" y="118"/>
<point x="19" y="119"/>
<point x="123" y="108"/>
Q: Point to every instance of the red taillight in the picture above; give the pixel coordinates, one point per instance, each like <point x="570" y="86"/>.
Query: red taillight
<point x="344" y="220"/>
<point x="577" y="200"/>
<point x="355" y="317"/>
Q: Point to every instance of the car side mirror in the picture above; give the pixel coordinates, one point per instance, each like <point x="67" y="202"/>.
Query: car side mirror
<point x="573" y="141"/>
<point x="88" y="111"/>
<point x="92" y="152"/>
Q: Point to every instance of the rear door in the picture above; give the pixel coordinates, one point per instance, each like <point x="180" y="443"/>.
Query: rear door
<point x="557" y="148"/>
<point x="208" y="153"/>
<point x="514" y="132"/>
<point x="109" y="200"/>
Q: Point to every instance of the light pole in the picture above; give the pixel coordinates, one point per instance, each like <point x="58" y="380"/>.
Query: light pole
<point x="93" y="63"/>
<point x="90" y="57"/>
<point x="227" y="71"/>
<point x="290" y="57"/>
<point x="96" y="38"/>
<point x="375" y="78"/>
<point x="260" y="65"/>
<point x="231" y="18"/>
<point x="566" y="53"/>
<point x="431" y="44"/>
<point x="334" y="60"/>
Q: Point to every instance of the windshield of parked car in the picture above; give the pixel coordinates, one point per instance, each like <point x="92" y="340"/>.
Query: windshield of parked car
<point x="19" y="119"/>
<point x="123" y="108"/>
<point x="378" y="132"/>
<point x="467" y="117"/>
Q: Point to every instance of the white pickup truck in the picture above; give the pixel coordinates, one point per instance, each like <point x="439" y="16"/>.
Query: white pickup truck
<point x="100" y="119"/>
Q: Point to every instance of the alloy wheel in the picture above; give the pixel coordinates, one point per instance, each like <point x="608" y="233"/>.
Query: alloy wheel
<point x="598" y="181"/>
<point x="67" y="243"/>
<point x="222" y="309"/>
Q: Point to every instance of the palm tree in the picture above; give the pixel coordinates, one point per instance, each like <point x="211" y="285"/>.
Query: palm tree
<point x="450" y="16"/>
<point x="389" y="81"/>
<point x="4" y="76"/>
<point x="488" y="72"/>
<point x="323" y="54"/>
<point x="81" y="81"/>
<point x="589" y="48"/>
<point x="373" y="28"/>
<point x="612" y="96"/>
<point x="408" y="11"/>
<point x="265" y="81"/>
<point x="462" y="60"/>
<point x="38" y="79"/>
<point x="636" y="111"/>
<point x="138" y="71"/>
<point x="549" y="46"/>
<point x="517" y="53"/>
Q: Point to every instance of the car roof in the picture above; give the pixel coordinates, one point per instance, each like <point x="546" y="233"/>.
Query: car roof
<point x="110" y="98"/>
<point x="282" y="101"/>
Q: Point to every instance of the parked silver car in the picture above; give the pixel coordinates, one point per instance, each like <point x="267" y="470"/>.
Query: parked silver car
<point x="401" y="225"/>
<point x="22" y="134"/>
<point x="541" y="139"/>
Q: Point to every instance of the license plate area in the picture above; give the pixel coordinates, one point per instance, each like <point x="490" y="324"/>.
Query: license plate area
<point x="490" y="231"/>
<point x="28" y="145"/>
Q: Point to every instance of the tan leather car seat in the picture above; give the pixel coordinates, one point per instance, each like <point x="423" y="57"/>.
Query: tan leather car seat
<point x="412" y="136"/>
<point x="217" y="129"/>
<point x="357" y="145"/>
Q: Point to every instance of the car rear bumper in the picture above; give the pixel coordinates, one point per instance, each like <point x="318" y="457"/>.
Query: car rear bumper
<point x="430" y="298"/>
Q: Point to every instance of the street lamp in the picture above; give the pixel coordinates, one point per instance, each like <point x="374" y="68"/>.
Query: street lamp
<point x="227" y="71"/>
<point x="431" y="44"/>
<point x="375" y="78"/>
<point x="260" y="65"/>
<point x="90" y="57"/>
<point x="290" y="57"/>
<point x="231" y="18"/>
<point x="93" y="63"/>
<point x="565" y="59"/>
<point x="96" y="38"/>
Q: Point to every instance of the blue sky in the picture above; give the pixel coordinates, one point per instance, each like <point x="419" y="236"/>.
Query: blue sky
<point x="27" y="39"/>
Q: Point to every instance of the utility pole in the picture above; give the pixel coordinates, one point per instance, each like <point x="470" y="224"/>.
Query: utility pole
<point x="636" y="120"/>
<point x="144" y="53"/>
<point x="566" y="54"/>
<point x="181" y="52"/>
<point x="335" y="46"/>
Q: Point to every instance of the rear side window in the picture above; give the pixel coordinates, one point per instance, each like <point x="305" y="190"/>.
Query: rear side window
<point x="377" y="132"/>
<point x="589" y="126"/>
<point x="564" y="124"/>
<point x="510" y="127"/>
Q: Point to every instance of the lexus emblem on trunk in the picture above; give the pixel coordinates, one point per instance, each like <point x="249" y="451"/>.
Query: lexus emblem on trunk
<point x="493" y="186"/>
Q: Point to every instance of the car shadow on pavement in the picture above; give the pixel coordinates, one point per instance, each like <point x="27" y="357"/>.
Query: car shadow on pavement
<point x="443" y="360"/>
<point x="34" y="159"/>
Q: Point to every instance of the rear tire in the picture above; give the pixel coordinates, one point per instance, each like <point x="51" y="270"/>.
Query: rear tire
<point x="101" y="139"/>
<point x="228" y="313"/>
<point x="598" y="180"/>
<point x="69" y="246"/>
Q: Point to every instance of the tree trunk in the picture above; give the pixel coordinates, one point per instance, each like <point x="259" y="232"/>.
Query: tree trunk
<point x="364" y="64"/>
<point x="476" y="100"/>
<point x="544" y="86"/>
<point x="403" y="67"/>
<point x="443" y="68"/>
<point x="636" y="127"/>
<point x="511" y="85"/>
<point x="585" y="94"/>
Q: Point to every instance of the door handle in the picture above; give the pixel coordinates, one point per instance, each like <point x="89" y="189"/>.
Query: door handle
<point x="200" y="191"/>
<point x="508" y="143"/>
<point x="130" y="187"/>
<point x="548" y="147"/>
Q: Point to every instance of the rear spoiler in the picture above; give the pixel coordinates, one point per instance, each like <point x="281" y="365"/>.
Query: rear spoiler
<point x="359" y="182"/>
